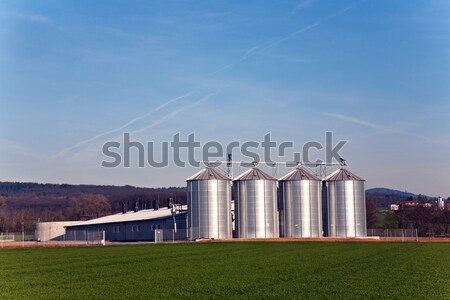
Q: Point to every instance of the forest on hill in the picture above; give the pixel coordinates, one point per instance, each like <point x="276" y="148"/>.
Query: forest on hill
<point x="22" y="204"/>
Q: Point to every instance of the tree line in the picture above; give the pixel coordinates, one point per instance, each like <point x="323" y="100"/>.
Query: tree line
<point x="429" y="221"/>
<point x="23" y="204"/>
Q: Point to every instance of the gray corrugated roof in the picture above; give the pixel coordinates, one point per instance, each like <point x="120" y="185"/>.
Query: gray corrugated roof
<point x="208" y="173"/>
<point x="342" y="174"/>
<point x="254" y="174"/>
<point x="131" y="216"/>
<point x="299" y="174"/>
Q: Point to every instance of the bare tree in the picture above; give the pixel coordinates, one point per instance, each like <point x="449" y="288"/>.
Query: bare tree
<point x="371" y="213"/>
<point x="92" y="206"/>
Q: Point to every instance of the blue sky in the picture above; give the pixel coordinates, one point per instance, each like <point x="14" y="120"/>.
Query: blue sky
<point x="376" y="73"/>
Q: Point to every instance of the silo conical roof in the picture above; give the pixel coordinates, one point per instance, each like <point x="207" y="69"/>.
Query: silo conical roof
<point x="254" y="174"/>
<point x="342" y="175"/>
<point x="208" y="173"/>
<point x="299" y="174"/>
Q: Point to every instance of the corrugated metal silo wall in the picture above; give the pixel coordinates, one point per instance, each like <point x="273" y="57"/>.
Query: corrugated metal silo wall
<point x="209" y="205"/>
<point x="256" y="209"/>
<point x="346" y="209"/>
<point x="301" y="211"/>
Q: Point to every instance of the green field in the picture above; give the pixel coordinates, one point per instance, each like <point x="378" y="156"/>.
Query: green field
<point x="229" y="270"/>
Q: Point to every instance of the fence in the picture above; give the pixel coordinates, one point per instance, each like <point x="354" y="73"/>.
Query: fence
<point x="403" y="235"/>
<point x="142" y="235"/>
<point x="94" y="237"/>
<point x="44" y="238"/>
<point x="169" y="235"/>
<point x="159" y="236"/>
<point x="7" y="237"/>
<point x="15" y="237"/>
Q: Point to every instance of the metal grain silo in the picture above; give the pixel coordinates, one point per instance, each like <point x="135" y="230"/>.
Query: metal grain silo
<point x="256" y="205"/>
<point x="300" y="204"/>
<point x="209" y="205"/>
<point x="346" y="204"/>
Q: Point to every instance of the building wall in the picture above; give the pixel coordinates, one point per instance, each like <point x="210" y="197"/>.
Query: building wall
<point x="46" y="231"/>
<point x="131" y="231"/>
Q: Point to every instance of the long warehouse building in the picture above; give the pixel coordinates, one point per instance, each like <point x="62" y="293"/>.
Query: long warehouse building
<point x="133" y="226"/>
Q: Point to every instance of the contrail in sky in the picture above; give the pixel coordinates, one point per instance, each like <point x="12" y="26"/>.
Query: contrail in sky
<point x="310" y="26"/>
<point x="258" y="49"/>
<point x="65" y="150"/>
<point x="173" y="113"/>
<point x="249" y="53"/>
<point x="372" y="125"/>
<point x="244" y="57"/>
<point x="164" y="118"/>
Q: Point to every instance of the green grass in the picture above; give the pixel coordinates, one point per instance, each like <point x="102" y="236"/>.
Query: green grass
<point x="229" y="270"/>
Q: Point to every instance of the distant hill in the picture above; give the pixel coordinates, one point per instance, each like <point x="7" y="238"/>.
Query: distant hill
<point x="383" y="197"/>
<point x="20" y="195"/>
<point x="391" y="192"/>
